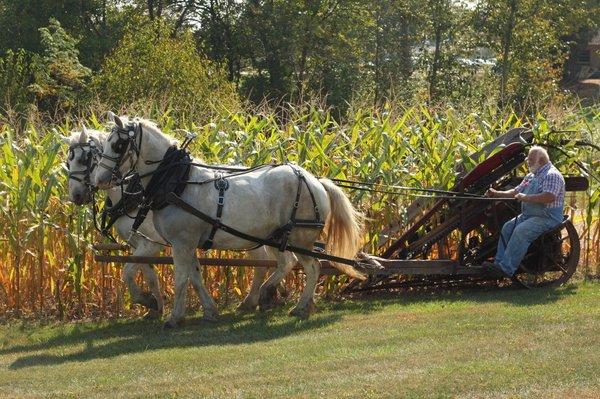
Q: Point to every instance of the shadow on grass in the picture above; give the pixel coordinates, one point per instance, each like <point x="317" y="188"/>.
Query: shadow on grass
<point x="134" y="336"/>
<point x="140" y="335"/>
<point x="512" y="294"/>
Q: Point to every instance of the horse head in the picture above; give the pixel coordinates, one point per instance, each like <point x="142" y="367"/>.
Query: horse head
<point x="82" y="157"/>
<point x="129" y="145"/>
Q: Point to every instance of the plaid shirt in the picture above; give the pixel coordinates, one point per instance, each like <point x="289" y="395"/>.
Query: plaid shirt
<point x="550" y="180"/>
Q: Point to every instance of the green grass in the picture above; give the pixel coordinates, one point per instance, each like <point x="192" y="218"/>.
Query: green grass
<point x="474" y="343"/>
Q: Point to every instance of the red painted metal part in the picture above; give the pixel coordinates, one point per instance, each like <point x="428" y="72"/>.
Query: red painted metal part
<point x="480" y="171"/>
<point x="493" y="162"/>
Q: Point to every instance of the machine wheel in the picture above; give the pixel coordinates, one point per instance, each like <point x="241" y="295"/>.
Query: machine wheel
<point x="552" y="258"/>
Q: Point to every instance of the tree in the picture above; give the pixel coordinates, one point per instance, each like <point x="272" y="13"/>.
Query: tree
<point x="98" y="24"/>
<point x="17" y="71"/>
<point x="60" y="76"/>
<point x="149" y="65"/>
<point x="528" y="37"/>
<point x="396" y="24"/>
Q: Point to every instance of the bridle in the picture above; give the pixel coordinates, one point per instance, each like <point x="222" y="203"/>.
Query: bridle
<point x="90" y="151"/>
<point x="125" y="147"/>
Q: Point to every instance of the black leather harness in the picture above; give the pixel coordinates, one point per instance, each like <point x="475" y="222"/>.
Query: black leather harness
<point x="170" y="179"/>
<point x="282" y="234"/>
<point x="222" y="185"/>
<point x="131" y="198"/>
<point x="172" y="174"/>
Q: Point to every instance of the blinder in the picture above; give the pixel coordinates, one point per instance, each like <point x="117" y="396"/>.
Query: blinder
<point x="88" y="151"/>
<point x="125" y="144"/>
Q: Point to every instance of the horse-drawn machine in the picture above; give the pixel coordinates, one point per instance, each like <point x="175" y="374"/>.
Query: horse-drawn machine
<point x="446" y="238"/>
<point x="280" y="211"/>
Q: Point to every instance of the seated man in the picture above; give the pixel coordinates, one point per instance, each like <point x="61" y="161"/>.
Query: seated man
<point x="542" y="195"/>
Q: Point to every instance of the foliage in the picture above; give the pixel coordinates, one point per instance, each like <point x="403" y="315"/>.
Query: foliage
<point x="294" y="51"/>
<point x="98" y="23"/>
<point x="17" y="70"/>
<point x="149" y="65"/>
<point x="60" y="77"/>
<point x="529" y="38"/>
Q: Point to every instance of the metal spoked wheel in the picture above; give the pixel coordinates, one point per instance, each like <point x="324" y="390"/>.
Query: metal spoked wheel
<point x="552" y="258"/>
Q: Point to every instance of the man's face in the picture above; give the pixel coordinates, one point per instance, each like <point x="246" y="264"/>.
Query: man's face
<point x="532" y="162"/>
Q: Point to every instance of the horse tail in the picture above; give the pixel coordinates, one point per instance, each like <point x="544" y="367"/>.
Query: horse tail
<point x="344" y="228"/>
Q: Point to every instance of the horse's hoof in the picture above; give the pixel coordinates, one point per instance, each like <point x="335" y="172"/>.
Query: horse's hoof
<point x="283" y="291"/>
<point x="303" y="312"/>
<point x="266" y="306"/>
<point x="149" y="300"/>
<point x="267" y="299"/>
<point x="210" y="315"/>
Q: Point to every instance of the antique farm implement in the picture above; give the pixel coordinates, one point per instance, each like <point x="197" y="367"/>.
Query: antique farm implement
<point x="445" y="237"/>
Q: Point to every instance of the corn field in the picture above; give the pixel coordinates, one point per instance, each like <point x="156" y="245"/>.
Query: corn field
<point x="46" y="263"/>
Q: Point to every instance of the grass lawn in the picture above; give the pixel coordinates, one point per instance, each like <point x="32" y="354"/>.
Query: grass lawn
<point x="540" y="343"/>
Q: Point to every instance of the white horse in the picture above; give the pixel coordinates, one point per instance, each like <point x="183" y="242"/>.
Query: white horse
<point x="84" y="150"/>
<point x="257" y="203"/>
<point x="83" y="156"/>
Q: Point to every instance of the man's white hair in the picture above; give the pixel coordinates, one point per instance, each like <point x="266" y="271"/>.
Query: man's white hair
<point x="541" y="155"/>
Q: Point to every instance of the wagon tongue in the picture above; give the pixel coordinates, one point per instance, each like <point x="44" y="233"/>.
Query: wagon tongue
<point x="368" y="262"/>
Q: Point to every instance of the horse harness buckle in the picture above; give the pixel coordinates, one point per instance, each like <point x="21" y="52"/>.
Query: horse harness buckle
<point x="221" y="184"/>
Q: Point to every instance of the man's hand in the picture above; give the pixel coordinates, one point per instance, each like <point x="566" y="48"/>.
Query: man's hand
<point x="491" y="193"/>
<point x="521" y="197"/>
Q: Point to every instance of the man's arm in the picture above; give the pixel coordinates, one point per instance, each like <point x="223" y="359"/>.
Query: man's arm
<point x="501" y="194"/>
<point x="541" y="198"/>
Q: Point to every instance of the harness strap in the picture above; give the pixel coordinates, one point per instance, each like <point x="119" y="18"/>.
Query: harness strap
<point x="131" y="198"/>
<point x="222" y="185"/>
<point x="286" y="230"/>
<point x="174" y="199"/>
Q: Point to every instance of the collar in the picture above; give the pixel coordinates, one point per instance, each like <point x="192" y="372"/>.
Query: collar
<point x="543" y="169"/>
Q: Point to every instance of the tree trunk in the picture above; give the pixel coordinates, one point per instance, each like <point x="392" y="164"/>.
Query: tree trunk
<point x="435" y="64"/>
<point x="151" y="9"/>
<point x="377" y="60"/>
<point x="506" y="43"/>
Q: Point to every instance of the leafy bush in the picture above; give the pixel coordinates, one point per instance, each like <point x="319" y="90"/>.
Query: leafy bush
<point x="17" y="70"/>
<point x="61" y="76"/>
<point x="149" y="64"/>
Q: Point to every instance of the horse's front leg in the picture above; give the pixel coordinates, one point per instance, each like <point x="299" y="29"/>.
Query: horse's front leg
<point x="135" y="292"/>
<point x="250" y="302"/>
<point x="152" y="300"/>
<point x="186" y="267"/>
<point x="155" y="297"/>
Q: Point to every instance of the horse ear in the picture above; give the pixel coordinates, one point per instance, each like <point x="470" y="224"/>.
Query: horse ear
<point x="84" y="130"/>
<point x="83" y="136"/>
<point x="65" y="139"/>
<point x="115" y="119"/>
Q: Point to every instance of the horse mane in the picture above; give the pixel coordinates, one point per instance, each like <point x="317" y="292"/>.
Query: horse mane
<point x="152" y="126"/>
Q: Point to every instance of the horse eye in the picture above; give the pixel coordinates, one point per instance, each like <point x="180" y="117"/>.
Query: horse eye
<point x="71" y="155"/>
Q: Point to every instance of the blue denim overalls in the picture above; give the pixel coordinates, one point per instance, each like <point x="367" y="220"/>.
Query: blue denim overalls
<point x="518" y="233"/>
